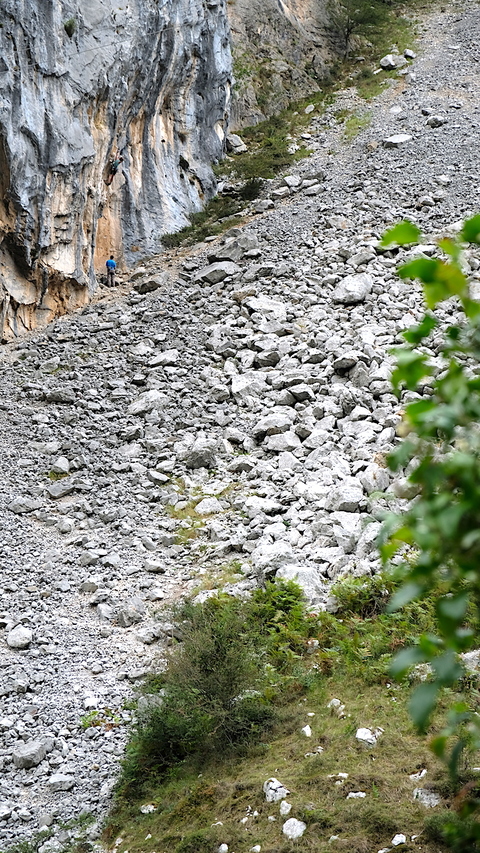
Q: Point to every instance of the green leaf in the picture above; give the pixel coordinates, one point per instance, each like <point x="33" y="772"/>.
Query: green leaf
<point x="453" y="332"/>
<point x="416" y="334"/>
<point x="423" y="268"/>
<point x="449" y="520"/>
<point x="455" y="757"/>
<point x="441" y="280"/>
<point x="450" y="248"/>
<point x="439" y="745"/>
<point x="470" y="539"/>
<point x="404" y="660"/>
<point x="422" y="703"/>
<point x="454" y="607"/>
<point x="411" y="367"/>
<point x="430" y="645"/>
<point x="415" y="410"/>
<point x="447" y="668"/>
<point x="471" y="308"/>
<point x="401" y="234"/>
<point x="407" y="593"/>
<point x="470" y="232"/>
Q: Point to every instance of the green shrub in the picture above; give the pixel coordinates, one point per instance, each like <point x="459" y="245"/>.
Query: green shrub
<point x="442" y="526"/>
<point x="348" y="18"/>
<point x="213" y="697"/>
<point x="459" y="832"/>
<point x="215" y="218"/>
<point x="365" y="597"/>
<point x="278" y="615"/>
<point x="70" y="26"/>
<point x="251" y="189"/>
<point x="215" y="659"/>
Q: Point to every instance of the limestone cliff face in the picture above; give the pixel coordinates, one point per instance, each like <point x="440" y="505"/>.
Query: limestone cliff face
<point x="79" y="80"/>
<point x="281" y="52"/>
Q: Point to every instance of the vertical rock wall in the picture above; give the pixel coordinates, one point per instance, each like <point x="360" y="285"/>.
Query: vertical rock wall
<point x="80" y="79"/>
<point x="281" y="53"/>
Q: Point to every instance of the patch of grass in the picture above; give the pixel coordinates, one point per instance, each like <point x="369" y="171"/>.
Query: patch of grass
<point x="269" y="143"/>
<point x="228" y="791"/>
<point x="368" y="84"/>
<point x="190" y="523"/>
<point x="189" y="532"/>
<point x="342" y="114"/>
<point x="400" y="28"/>
<point x="105" y="718"/>
<point x="56" y="475"/>
<point x="355" y="123"/>
<point x="461" y="834"/>
<point x="218" y="215"/>
<point x="240" y="688"/>
<point x="184" y="513"/>
<point x="216" y="579"/>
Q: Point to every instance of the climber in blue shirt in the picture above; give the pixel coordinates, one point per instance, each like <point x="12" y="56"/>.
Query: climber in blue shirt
<point x="111" y="267"/>
<point x="113" y="168"/>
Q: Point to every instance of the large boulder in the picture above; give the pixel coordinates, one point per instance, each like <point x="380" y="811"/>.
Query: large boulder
<point x="29" y="754"/>
<point x="215" y="273"/>
<point x="353" y="289"/>
<point x="309" y="579"/>
<point x="267" y="557"/>
<point x="202" y="454"/>
<point x="272" y="424"/>
<point x="19" y="637"/>
<point x="233" y="249"/>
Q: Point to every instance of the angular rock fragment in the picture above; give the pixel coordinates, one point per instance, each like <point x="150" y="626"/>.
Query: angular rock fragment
<point x="61" y="782"/>
<point x="202" y="454"/>
<point x="29" y="754"/>
<point x="274" y="790"/>
<point x="23" y="505"/>
<point x="397" y="140"/>
<point x="216" y="273"/>
<point x="353" y="289"/>
<point x="19" y="637"/>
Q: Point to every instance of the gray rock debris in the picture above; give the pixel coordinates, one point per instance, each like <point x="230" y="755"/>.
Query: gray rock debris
<point x="242" y="422"/>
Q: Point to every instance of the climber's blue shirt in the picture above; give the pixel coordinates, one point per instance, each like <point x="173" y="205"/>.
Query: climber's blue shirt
<point x="111" y="265"/>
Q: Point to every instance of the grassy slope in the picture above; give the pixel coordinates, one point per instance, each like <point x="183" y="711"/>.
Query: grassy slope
<point x="228" y="791"/>
<point x="202" y="801"/>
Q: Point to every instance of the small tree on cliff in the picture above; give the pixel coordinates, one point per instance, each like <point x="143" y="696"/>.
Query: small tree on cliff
<point x="349" y="18"/>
